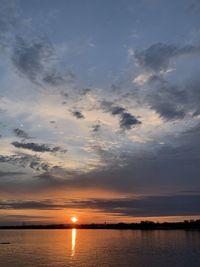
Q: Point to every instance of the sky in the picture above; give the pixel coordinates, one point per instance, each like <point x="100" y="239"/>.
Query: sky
<point x="99" y="110"/>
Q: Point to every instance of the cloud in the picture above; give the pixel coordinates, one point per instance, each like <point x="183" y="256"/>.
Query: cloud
<point x="148" y="206"/>
<point x="85" y="91"/>
<point x="154" y="169"/>
<point x="96" y="127"/>
<point x="168" y="96"/>
<point x="30" y="204"/>
<point x="173" y="100"/>
<point x="127" y="120"/>
<point x="78" y="114"/>
<point x="33" y="58"/>
<point x="157" y="57"/>
<point x="54" y="79"/>
<point x="14" y="219"/>
<point x="116" y="110"/>
<point x="38" y="147"/>
<point x="36" y="60"/>
<point x="164" y="169"/>
<point x="25" y="160"/>
<point x="8" y="173"/>
<point x="21" y="134"/>
<point x="30" y="59"/>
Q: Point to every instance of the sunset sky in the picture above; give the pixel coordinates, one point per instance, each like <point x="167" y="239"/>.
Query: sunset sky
<point x="99" y="110"/>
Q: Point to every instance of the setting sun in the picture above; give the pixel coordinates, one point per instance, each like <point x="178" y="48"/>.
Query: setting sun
<point x="74" y="219"/>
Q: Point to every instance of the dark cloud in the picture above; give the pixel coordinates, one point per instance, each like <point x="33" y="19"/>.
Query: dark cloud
<point x="21" y="134"/>
<point x="96" y="127"/>
<point x="78" y="114"/>
<point x="15" y="219"/>
<point x="36" y="60"/>
<point x="54" y="79"/>
<point x="23" y="218"/>
<point x="30" y="204"/>
<point x="168" y="111"/>
<point x="116" y="110"/>
<point x="38" y="147"/>
<point x="25" y="160"/>
<point x="8" y="173"/>
<point x="173" y="101"/>
<point x="85" y="91"/>
<point x="148" y="206"/>
<point x="127" y="120"/>
<point x="31" y="59"/>
<point x="170" y="98"/>
<point x="157" y="57"/>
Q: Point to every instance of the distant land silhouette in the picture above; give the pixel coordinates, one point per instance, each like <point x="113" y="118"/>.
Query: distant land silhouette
<point x="143" y="225"/>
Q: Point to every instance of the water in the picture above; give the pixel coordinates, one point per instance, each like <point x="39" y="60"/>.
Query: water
<point x="99" y="248"/>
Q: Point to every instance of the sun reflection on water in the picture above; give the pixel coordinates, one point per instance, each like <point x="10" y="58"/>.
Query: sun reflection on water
<point x="73" y="241"/>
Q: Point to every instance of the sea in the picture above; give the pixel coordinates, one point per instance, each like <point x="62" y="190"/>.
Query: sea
<point x="99" y="248"/>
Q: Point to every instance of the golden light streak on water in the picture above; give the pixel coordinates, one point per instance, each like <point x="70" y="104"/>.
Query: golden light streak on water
<point x="73" y="241"/>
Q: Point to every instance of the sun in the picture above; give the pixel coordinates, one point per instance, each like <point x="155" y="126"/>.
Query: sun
<point x="74" y="219"/>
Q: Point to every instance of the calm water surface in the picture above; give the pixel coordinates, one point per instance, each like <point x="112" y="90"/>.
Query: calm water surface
<point x="99" y="248"/>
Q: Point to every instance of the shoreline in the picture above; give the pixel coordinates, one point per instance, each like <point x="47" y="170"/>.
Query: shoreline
<point x="144" y="225"/>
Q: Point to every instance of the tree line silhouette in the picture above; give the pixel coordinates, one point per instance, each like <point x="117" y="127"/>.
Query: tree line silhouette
<point x="143" y="225"/>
